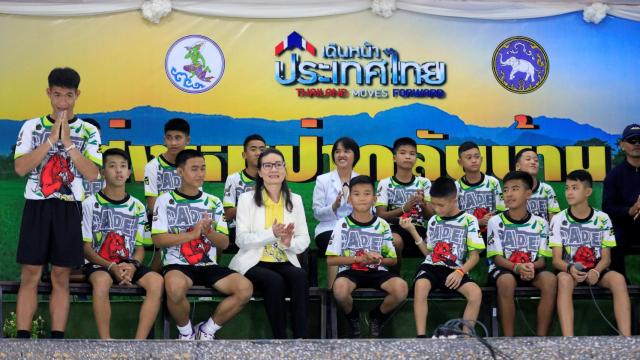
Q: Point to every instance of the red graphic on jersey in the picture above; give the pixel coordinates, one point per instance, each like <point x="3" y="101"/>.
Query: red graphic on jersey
<point x="520" y="257"/>
<point x="479" y="213"/>
<point x="55" y="174"/>
<point x="113" y="248"/>
<point x="359" y="266"/>
<point x="443" y="252"/>
<point x="195" y="250"/>
<point x="585" y="256"/>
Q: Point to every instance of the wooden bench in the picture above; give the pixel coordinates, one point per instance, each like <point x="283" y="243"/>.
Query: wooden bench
<point x="84" y="288"/>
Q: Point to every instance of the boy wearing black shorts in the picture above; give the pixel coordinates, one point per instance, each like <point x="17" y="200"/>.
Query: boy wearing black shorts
<point x="189" y="225"/>
<point x="112" y="229"/>
<point x="362" y="246"/>
<point x="57" y="151"/>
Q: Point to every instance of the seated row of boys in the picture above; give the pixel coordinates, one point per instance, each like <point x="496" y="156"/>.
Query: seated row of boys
<point x="451" y="234"/>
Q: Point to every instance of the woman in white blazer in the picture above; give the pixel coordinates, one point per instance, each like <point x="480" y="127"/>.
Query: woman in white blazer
<point x="331" y="193"/>
<point x="271" y="230"/>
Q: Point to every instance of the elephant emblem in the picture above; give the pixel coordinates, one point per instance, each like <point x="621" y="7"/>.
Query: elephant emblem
<point x="519" y="65"/>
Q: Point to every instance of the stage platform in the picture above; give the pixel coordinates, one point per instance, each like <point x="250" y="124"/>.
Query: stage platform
<point x="529" y="348"/>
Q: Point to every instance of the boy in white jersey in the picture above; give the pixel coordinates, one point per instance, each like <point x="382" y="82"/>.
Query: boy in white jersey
<point x="189" y="225"/>
<point x="160" y="174"/>
<point x="581" y="240"/>
<point x="517" y="243"/>
<point x="240" y="182"/>
<point x="543" y="200"/>
<point x="452" y="249"/>
<point x="112" y="229"/>
<point x="361" y="245"/>
<point x="57" y="151"/>
<point x="478" y="194"/>
<point x="404" y="195"/>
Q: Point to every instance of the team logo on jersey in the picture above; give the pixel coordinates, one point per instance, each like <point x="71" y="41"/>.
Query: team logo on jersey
<point x="194" y="64"/>
<point x="114" y="248"/>
<point x="520" y="257"/>
<point x="443" y="252"/>
<point x="479" y="213"/>
<point x="55" y="176"/>
<point x="520" y="64"/>
<point x="585" y="256"/>
<point x="196" y="250"/>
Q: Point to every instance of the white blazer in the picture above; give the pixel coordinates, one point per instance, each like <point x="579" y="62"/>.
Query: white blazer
<point x="327" y="188"/>
<point x="251" y="236"/>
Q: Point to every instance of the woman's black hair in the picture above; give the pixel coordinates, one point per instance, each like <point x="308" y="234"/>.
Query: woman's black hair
<point x="284" y="189"/>
<point x="347" y="143"/>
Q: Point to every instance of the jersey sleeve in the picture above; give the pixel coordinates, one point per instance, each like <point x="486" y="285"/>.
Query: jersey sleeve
<point x="427" y="189"/>
<point x="141" y="218"/>
<point x="608" y="237"/>
<point x="92" y="144"/>
<point x="494" y="242"/>
<point x="544" y="249"/>
<point x="24" y="144"/>
<point x="229" y="200"/>
<point x="499" y="198"/>
<point x="431" y="226"/>
<point x="552" y="201"/>
<point x="474" y="239"/>
<point x="382" y="194"/>
<point x="388" y="250"/>
<point x="160" y="223"/>
<point x="218" y="216"/>
<point x="87" y="219"/>
<point x="335" y="242"/>
<point x="555" y="235"/>
<point x="151" y="179"/>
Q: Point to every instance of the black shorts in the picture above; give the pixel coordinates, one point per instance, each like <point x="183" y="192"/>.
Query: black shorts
<point x="499" y="271"/>
<point x="51" y="232"/>
<point x="367" y="279"/>
<point x="201" y="275"/>
<point x="410" y="248"/>
<point x="602" y="273"/>
<point x="90" y="268"/>
<point x="322" y="242"/>
<point x="437" y="276"/>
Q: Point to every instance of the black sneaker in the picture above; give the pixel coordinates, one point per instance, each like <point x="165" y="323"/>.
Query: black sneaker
<point x="375" y="327"/>
<point x="354" y="327"/>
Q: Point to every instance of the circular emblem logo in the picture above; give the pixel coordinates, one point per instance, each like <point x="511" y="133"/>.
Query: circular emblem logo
<point x="520" y="64"/>
<point x="194" y="64"/>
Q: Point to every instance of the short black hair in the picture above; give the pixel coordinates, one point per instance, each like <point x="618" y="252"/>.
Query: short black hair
<point x="443" y="187"/>
<point x="403" y="141"/>
<point x="187" y="154"/>
<point x="582" y="176"/>
<point x="177" y="124"/>
<point x="362" y="179"/>
<point x="526" y="178"/>
<point x="115" y="152"/>
<point x="521" y="152"/>
<point x="64" y="77"/>
<point x="93" y="122"/>
<point x="347" y="143"/>
<point x="467" y="145"/>
<point x="250" y="138"/>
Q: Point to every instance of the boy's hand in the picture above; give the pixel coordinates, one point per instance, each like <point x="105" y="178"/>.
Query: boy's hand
<point x="592" y="277"/>
<point x="579" y="276"/>
<point x="406" y="224"/>
<point x="527" y="271"/>
<point x="484" y="221"/>
<point x="55" y="129"/>
<point x="413" y="200"/>
<point x="206" y="222"/>
<point x="453" y="280"/>
<point x="119" y="273"/>
<point x="374" y="257"/>
<point x="66" y="130"/>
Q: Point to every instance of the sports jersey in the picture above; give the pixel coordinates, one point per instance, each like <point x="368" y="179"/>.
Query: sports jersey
<point x="450" y="238"/>
<point x="57" y="176"/>
<point x="517" y="241"/>
<point x="543" y="201"/>
<point x="582" y="240"/>
<point x="393" y="194"/>
<point x="176" y="213"/>
<point x="92" y="187"/>
<point x="160" y="176"/>
<point x="353" y="238"/>
<point x="237" y="184"/>
<point x="482" y="197"/>
<point x="114" y="228"/>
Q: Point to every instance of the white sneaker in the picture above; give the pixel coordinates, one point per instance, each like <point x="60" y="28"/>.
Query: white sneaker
<point x="182" y="336"/>
<point x="201" y="334"/>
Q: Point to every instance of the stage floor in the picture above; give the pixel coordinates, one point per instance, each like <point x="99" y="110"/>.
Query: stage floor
<point x="529" y="348"/>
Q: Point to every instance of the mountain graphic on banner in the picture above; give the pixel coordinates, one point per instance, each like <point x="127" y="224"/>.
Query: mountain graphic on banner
<point x="146" y="128"/>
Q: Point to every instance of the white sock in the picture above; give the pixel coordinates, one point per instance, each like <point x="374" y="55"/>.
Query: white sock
<point x="211" y="327"/>
<point x="187" y="329"/>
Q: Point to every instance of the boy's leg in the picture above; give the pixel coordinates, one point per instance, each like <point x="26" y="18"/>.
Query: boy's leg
<point x="397" y="290"/>
<point x="59" y="303"/>
<point x="421" y="291"/>
<point x="471" y="291"/>
<point x="566" y="284"/>
<point x="153" y="285"/>
<point x="547" y="282"/>
<point x="176" y="284"/>
<point x="238" y="290"/>
<point x="101" y="282"/>
<point x="506" y="286"/>
<point x="615" y="282"/>
<point x="342" y="289"/>
<point x="27" y="301"/>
